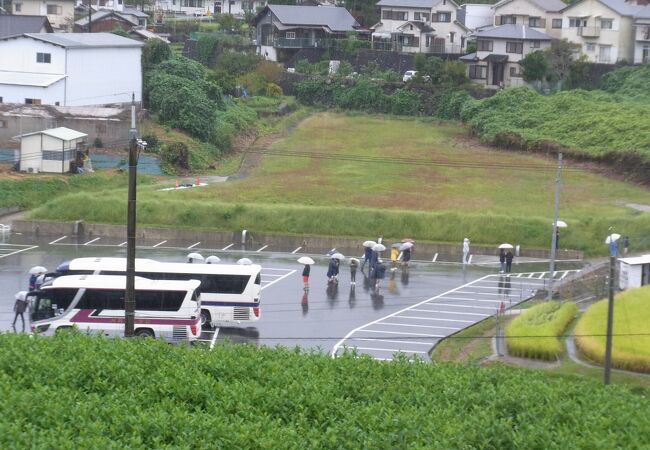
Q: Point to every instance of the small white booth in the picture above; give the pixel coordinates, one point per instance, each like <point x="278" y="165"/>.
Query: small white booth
<point x="634" y="272"/>
<point x="50" y="150"/>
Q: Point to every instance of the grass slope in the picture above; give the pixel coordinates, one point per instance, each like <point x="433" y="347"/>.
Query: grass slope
<point x="73" y="391"/>
<point x="437" y="202"/>
<point x="631" y="342"/>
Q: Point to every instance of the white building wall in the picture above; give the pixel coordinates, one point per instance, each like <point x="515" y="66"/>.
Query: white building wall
<point x="98" y="76"/>
<point x="30" y="153"/>
<point x="65" y="11"/>
<point x="19" y="55"/>
<point x="523" y="10"/>
<point x="178" y="7"/>
<point x="478" y="15"/>
<point x="48" y="95"/>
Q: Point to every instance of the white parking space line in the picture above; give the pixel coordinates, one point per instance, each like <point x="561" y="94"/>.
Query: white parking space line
<point x="296" y="250"/>
<point x="419" y="326"/>
<point x="272" y="274"/>
<point x="262" y="248"/>
<point x="158" y="244"/>
<point x="435" y="257"/>
<point x="92" y="240"/>
<point x="19" y="251"/>
<point x="541" y="276"/>
<point x="193" y="245"/>
<point x="227" y="247"/>
<point x="470" y="299"/>
<point x="453" y="312"/>
<point x="456" y="305"/>
<point x="57" y="240"/>
<point x="487" y="293"/>
<point x="404" y="333"/>
<point x="122" y="244"/>
<point x="278" y="279"/>
<point x="564" y="275"/>
<point x="214" y="338"/>
<point x="438" y="319"/>
<point x="393" y="341"/>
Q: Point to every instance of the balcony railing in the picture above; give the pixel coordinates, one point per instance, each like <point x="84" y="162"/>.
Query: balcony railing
<point x="589" y="31"/>
<point x="444" y="49"/>
<point x="304" y="43"/>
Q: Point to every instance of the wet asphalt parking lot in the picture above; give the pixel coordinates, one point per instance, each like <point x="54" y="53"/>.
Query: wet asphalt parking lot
<point x="411" y="312"/>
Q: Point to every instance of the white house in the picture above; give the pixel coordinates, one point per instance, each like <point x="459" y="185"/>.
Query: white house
<point x="543" y="15"/>
<point x="634" y="272"/>
<point x="603" y="28"/>
<point x="60" y="13"/>
<point x="642" y="35"/>
<point x="498" y="52"/>
<point x="420" y="26"/>
<point x="70" y="69"/>
<point x="238" y="7"/>
<point x="55" y="150"/>
<point x="476" y="15"/>
<point x="188" y="7"/>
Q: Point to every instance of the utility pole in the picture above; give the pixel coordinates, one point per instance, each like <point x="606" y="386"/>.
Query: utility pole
<point x="129" y="298"/>
<point x="90" y="16"/>
<point x="556" y="206"/>
<point x="613" y="250"/>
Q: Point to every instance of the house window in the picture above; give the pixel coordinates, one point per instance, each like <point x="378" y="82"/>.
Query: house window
<point x="394" y="15"/>
<point x="605" y="54"/>
<point x="451" y="37"/>
<point x="514" y="47"/>
<point x="32" y="101"/>
<point x="290" y="35"/>
<point x="18" y="7"/>
<point x="425" y="17"/>
<point x="416" y="16"/>
<point x="477" y="72"/>
<point x="535" y="44"/>
<point x="590" y="47"/>
<point x="54" y="10"/>
<point x="44" y="58"/>
<point x="536" y="22"/>
<point x="575" y="22"/>
<point x="441" y="17"/>
<point x="557" y="23"/>
<point x="645" y="57"/>
<point x="606" y="24"/>
<point x="483" y="46"/>
<point x="514" y="73"/>
<point x="506" y="20"/>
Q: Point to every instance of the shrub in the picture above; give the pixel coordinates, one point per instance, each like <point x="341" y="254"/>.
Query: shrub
<point x="273" y="90"/>
<point x="363" y="96"/>
<point x="205" y="48"/>
<point x="154" y="52"/>
<point x="174" y="155"/>
<point x="184" y="68"/>
<point x="271" y="72"/>
<point x="535" y="333"/>
<point x="451" y="104"/>
<point x="405" y="102"/>
<point x="534" y="66"/>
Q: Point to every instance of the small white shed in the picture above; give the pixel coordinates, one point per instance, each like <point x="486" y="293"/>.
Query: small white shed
<point x="634" y="272"/>
<point x="50" y="150"/>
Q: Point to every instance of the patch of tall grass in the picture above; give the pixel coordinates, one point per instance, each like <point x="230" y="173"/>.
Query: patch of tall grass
<point x="631" y="338"/>
<point x="445" y="226"/>
<point x="535" y="333"/>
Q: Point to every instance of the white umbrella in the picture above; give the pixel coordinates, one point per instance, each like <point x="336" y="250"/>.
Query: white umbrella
<point x="408" y="240"/>
<point x="212" y="259"/>
<point x="506" y="245"/>
<point x="378" y="248"/>
<point x="37" y="269"/>
<point x="338" y="256"/>
<point x="406" y="246"/>
<point x="397" y="245"/>
<point x="561" y="224"/>
<point x="370" y="244"/>
<point x="195" y="256"/>
<point x="305" y="260"/>
<point x="354" y="260"/>
<point x="612" y="237"/>
<point x="245" y="262"/>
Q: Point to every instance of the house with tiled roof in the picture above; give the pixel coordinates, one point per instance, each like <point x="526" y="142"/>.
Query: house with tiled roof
<point x="541" y="15"/>
<point x="11" y="25"/>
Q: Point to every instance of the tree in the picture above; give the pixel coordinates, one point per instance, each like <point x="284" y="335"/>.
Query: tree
<point x="535" y="66"/>
<point x="560" y="57"/>
<point x="154" y="52"/>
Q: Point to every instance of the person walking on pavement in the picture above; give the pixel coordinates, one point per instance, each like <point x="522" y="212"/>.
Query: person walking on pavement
<point x="406" y="257"/>
<point x="333" y="271"/>
<point x="465" y="250"/>
<point x="305" y="276"/>
<point x="502" y="260"/>
<point x="19" y="308"/>
<point x="354" y="263"/>
<point x="509" y="257"/>
<point x="367" y="256"/>
<point x="380" y="272"/>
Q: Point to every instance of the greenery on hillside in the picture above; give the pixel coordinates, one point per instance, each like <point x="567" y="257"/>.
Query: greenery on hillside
<point x="74" y="391"/>
<point x="631" y="342"/>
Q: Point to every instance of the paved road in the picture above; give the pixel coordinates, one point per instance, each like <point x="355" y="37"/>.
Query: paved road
<point x="317" y="319"/>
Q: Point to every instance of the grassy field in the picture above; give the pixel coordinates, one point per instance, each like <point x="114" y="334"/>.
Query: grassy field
<point x="334" y="190"/>
<point x="631" y="341"/>
<point x="536" y="332"/>
<point x="471" y="345"/>
<point x="147" y="394"/>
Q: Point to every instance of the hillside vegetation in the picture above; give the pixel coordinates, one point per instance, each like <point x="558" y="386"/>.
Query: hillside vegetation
<point x="74" y="391"/>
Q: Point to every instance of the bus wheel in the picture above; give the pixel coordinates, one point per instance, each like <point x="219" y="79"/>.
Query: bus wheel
<point x="206" y="319"/>
<point x="144" y="333"/>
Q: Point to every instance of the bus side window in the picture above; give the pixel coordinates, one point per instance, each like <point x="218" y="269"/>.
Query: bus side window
<point x="258" y="278"/>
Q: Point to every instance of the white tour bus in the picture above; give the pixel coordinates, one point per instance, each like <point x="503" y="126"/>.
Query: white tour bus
<point x="95" y="303"/>
<point x="229" y="292"/>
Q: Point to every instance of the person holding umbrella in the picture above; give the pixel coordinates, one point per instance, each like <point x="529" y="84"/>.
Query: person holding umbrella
<point x="367" y="252"/>
<point x="333" y="268"/>
<point x="502" y="260"/>
<point x="307" y="261"/>
<point x="406" y="253"/>
<point x="19" y="308"/>
<point x="354" y="263"/>
<point x="380" y="273"/>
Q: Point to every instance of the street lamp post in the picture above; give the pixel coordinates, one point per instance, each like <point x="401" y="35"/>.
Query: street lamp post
<point x="613" y="250"/>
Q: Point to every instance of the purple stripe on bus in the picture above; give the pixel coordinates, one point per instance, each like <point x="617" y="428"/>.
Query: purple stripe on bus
<point x="83" y="316"/>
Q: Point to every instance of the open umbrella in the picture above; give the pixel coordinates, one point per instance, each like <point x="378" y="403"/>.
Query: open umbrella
<point x="245" y="262"/>
<point x="354" y="260"/>
<point x="406" y="246"/>
<point x="305" y="260"/>
<point x="561" y="224"/>
<point x="338" y="256"/>
<point x="195" y="257"/>
<point x="408" y="240"/>
<point x="378" y="248"/>
<point x="370" y="244"/>
<point x="37" y="269"/>
<point x="212" y="259"/>
<point x="612" y="237"/>
<point x="506" y="246"/>
<point x="397" y="245"/>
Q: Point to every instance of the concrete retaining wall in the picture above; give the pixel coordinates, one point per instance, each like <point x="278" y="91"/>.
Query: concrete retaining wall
<point x="309" y="244"/>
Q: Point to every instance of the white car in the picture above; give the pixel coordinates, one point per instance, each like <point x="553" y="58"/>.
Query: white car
<point x="408" y="75"/>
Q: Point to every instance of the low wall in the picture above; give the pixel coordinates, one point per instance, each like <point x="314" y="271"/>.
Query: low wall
<point x="308" y="244"/>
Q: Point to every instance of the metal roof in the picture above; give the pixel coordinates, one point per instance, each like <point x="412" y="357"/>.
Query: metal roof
<point x="82" y="40"/>
<point x="544" y="5"/>
<point x="643" y="13"/>
<point x="512" y="31"/>
<point x="63" y="133"/>
<point x="407" y="3"/>
<point x="29" y="78"/>
<point x="496" y="58"/>
<point x="469" y="57"/>
<point x="103" y="14"/>
<point x="333" y="17"/>
<point x="633" y="260"/>
<point x="12" y="25"/>
<point x="134" y="12"/>
<point x="618" y="6"/>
